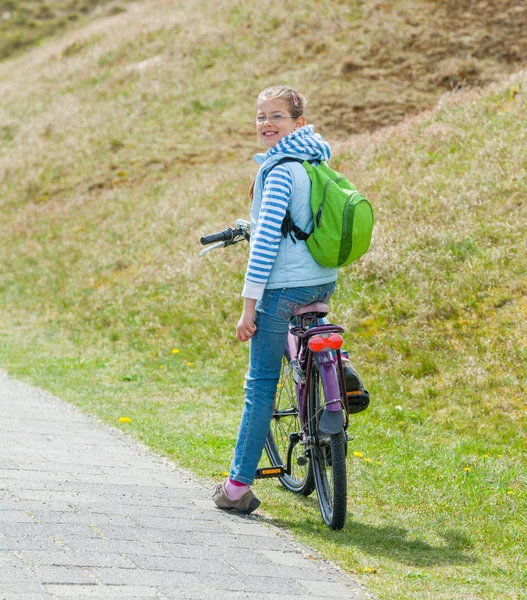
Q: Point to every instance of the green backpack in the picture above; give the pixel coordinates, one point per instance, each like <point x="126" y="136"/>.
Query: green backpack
<point x="343" y="218"/>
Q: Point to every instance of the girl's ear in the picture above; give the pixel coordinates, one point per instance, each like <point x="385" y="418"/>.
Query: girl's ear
<point x="300" y="122"/>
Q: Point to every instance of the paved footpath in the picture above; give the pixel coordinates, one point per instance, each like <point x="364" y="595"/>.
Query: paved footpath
<point x="86" y="512"/>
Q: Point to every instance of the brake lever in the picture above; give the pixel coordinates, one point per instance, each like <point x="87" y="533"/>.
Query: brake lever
<point x="213" y="247"/>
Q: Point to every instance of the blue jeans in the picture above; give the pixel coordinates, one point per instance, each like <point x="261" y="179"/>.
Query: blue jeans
<point x="267" y="345"/>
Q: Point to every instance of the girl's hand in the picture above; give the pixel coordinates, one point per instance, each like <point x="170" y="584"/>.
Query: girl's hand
<point x="246" y="327"/>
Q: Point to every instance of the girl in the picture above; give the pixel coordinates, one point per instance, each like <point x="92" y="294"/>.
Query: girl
<point x="281" y="276"/>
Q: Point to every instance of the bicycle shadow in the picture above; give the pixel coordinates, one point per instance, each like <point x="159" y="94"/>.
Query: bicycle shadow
<point x="397" y="543"/>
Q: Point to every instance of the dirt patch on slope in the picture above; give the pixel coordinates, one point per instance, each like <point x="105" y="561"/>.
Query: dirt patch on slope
<point x="413" y="52"/>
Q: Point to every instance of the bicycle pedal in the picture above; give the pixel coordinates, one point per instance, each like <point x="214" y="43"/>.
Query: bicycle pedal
<point x="266" y="472"/>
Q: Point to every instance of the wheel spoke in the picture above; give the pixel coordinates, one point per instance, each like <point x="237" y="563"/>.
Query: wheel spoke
<point x="285" y="427"/>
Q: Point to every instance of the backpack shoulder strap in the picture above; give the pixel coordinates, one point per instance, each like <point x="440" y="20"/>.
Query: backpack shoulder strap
<point x="288" y="225"/>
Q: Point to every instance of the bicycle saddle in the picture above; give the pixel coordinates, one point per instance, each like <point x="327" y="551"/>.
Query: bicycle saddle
<point x="317" y="307"/>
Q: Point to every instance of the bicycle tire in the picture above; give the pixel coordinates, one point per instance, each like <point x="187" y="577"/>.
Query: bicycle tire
<point x="286" y="421"/>
<point x="328" y="458"/>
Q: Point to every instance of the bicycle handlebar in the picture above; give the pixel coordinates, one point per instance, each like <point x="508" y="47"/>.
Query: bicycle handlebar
<point x="226" y="235"/>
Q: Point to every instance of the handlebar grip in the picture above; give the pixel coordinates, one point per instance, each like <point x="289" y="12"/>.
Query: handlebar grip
<point x="221" y="236"/>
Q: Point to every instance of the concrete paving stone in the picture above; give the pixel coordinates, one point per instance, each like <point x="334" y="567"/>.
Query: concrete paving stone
<point x="171" y="501"/>
<point x="66" y="575"/>
<point x="182" y="565"/>
<point x="160" y="493"/>
<point x="80" y="518"/>
<point x="76" y="559"/>
<point x="250" y="528"/>
<point x="45" y="531"/>
<point x="31" y="507"/>
<point x="188" y="522"/>
<point x="9" y="559"/>
<point x="144" y="577"/>
<point x="204" y="551"/>
<point x="191" y="531"/>
<point x="184" y="510"/>
<point x="70" y="469"/>
<point x="21" y="575"/>
<point x="119" y="480"/>
<point x="87" y="487"/>
<point x="33" y="587"/>
<point x="15" y="485"/>
<point x="111" y="547"/>
<point x="228" y="540"/>
<point x="57" y="495"/>
<point x="306" y="571"/>
<point x="118" y="592"/>
<point x="292" y="559"/>
<point x="40" y="476"/>
<point x="43" y="595"/>
<point x="253" y="583"/>
<point x="80" y="459"/>
<point x="204" y="593"/>
<point x="28" y="543"/>
<point x="15" y="516"/>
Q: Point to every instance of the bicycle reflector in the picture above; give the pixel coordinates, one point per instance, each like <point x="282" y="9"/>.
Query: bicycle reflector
<point x="319" y="343"/>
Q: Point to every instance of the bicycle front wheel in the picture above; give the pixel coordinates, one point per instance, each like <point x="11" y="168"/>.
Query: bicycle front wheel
<point x="328" y="457"/>
<point x="284" y="436"/>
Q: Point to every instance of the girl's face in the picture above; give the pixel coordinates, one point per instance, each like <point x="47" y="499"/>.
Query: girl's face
<point x="274" y="126"/>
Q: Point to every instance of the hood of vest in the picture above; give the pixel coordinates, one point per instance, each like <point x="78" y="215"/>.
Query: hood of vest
<point x="303" y="143"/>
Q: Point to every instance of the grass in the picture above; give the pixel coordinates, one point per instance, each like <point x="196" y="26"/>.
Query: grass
<point x="25" y="24"/>
<point x="122" y="145"/>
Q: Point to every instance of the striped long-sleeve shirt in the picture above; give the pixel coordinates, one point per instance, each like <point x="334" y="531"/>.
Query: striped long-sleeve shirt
<point x="268" y="235"/>
<point x="276" y="196"/>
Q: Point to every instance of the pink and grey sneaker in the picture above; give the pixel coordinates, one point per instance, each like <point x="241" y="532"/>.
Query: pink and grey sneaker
<point x="246" y="504"/>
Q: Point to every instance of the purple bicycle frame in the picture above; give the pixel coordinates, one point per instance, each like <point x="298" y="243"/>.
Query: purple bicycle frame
<point x="330" y="373"/>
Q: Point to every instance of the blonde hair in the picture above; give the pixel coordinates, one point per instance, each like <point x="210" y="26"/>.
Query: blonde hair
<point x="296" y="101"/>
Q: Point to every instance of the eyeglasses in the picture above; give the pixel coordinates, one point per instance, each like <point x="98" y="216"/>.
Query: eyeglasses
<point x="273" y="119"/>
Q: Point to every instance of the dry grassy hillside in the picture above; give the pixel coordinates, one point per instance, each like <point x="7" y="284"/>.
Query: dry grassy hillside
<point x="368" y="63"/>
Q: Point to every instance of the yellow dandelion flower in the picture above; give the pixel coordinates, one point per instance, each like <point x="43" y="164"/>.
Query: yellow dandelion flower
<point x="279" y="386"/>
<point x="370" y="570"/>
<point x="175" y="351"/>
<point x="441" y="476"/>
<point x="189" y="364"/>
<point x="124" y="420"/>
<point x="358" y="454"/>
<point x="510" y="492"/>
<point x="224" y="474"/>
<point x="485" y="456"/>
<point x="467" y="469"/>
<point x="160" y="366"/>
<point x="367" y="460"/>
<point x="378" y="462"/>
<point x="500" y="455"/>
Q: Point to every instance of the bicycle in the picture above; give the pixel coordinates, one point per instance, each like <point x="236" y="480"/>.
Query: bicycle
<point x="308" y="435"/>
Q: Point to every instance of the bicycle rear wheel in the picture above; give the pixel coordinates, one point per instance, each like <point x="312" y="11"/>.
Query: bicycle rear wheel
<point x="328" y="457"/>
<point x="284" y="435"/>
